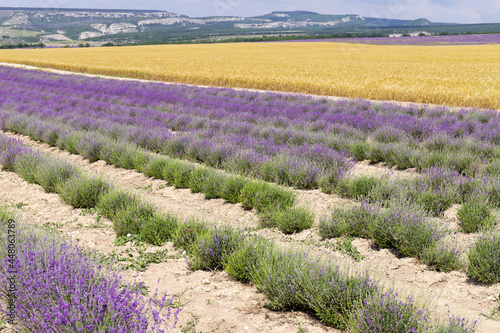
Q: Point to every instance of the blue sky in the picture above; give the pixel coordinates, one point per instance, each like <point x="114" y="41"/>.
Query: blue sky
<point x="460" y="11"/>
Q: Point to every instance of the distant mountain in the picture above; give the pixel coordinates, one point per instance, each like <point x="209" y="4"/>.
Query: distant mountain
<point x="152" y="26"/>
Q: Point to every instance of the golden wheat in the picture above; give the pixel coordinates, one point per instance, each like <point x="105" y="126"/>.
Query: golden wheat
<point x="454" y="75"/>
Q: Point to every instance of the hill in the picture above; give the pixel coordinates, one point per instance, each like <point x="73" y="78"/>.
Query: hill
<point x="70" y="26"/>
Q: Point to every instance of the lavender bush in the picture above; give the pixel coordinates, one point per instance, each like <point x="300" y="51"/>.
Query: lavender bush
<point x="294" y="281"/>
<point x="456" y="324"/>
<point x="188" y="232"/>
<point x="265" y="197"/>
<point x="197" y="179"/>
<point x="213" y="185"/>
<point x="212" y="249"/>
<point x="232" y="189"/>
<point x="82" y="191"/>
<point x="223" y="128"/>
<point x="357" y="188"/>
<point x="288" y="220"/>
<point x="26" y="163"/>
<point x="158" y="229"/>
<point x="126" y="211"/>
<point x="442" y="257"/>
<point x="242" y="263"/>
<point x="53" y="282"/>
<point x="386" y="312"/>
<point x="52" y="173"/>
<point x="483" y="259"/>
<point x="409" y="233"/>
<point x="289" y="139"/>
<point x="131" y="219"/>
<point x="475" y="215"/>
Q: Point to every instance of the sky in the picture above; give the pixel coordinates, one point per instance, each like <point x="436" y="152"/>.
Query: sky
<point x="457" y="11"/>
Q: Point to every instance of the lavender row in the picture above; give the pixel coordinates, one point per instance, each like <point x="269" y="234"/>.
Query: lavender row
<point x="435" y="190"/>
<point x="412" y="234"/>
<point x="250" y="132"/>
<point x="292" y="279"/>
<point x="274" y="205"/>
<point x="417" y="235"/>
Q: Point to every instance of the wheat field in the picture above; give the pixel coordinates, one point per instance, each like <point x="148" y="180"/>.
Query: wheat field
<point x="465" y="75"/>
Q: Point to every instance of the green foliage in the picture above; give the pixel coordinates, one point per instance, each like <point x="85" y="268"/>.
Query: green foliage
<point x="89" y="147"/>
<point x="495" y="312"/>
<point x="52" y="173"/>
<point x="356" y="188"/>
<point x="386" y="191"/>
<point x="154" y="168"/>
<point x="131" y="219"/>
<point x="213" y="185"/>
<point x="197" y="179"/>
<point x="357" y="222"/>
<point x="484" y="260"/>
<point x="292" y="280"/>
<point x="409" y="233"/>
<point x="177" y="173"/>
<point x="359" y="150"/>
<point x="70" y="141"/>
<point x="455" y="324"/>
<point x="334" y="226"/>
<point x="114" y="201"/>
<point x="188" y="232"/>
<point x="288" y="220"/>
<point x="232" y="189"/>
<point x="386" y="312"/>
<point x="327" y="184"/>
<point x="212" y="248"/>
<point x="158" y="229"/>
<point x="264" y="197"/>
<point x="82" y="191"/>
<point x="348" y="248"/>
<point x="475" y="215"/>
<point x="242" y="263"/>
<point x="436" y="202"/>
<point x="442" y="259"/>
<point x="26" y="164"/>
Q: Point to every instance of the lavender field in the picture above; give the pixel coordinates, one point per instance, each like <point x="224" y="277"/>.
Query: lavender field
<point x="290" y="139"/>
<point x="338" y="295"/>
<point x="261" y="150"/>
<point x="418" y="40"/>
